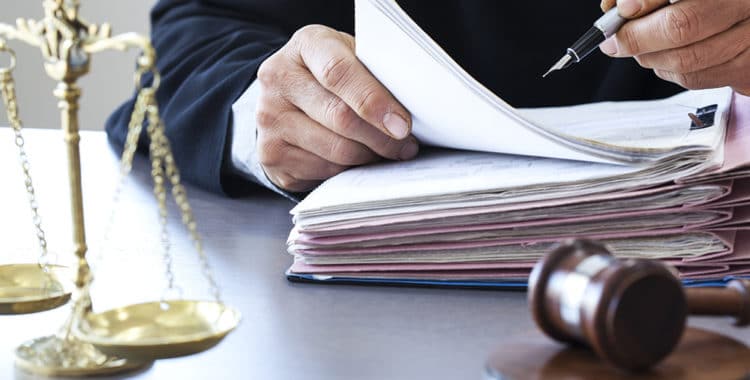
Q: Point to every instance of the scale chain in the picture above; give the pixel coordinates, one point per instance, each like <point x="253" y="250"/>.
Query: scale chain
<point x="7" y="86"/>
<point x="157" y="173"/>
<point x="158" y="137"/>
<point x="135" y="126"/>
<point x="163" y="169"/>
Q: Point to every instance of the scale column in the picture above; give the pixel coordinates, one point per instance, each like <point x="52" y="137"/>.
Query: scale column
<point x="68" y="94"/>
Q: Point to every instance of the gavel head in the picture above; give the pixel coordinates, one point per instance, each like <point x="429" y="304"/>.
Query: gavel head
<point x="631" y="312"/>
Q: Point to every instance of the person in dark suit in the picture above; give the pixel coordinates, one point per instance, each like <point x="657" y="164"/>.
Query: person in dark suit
<point x="270" y="91"/>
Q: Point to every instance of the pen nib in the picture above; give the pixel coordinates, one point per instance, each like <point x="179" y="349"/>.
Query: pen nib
<point x="564" y="62"/>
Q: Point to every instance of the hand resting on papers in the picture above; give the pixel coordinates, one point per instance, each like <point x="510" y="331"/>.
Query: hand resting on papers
<point x="321" y="111"/>
<point x="694" y="43"/>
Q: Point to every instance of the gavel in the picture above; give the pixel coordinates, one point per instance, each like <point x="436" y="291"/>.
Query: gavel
<point x="632" y="312"/>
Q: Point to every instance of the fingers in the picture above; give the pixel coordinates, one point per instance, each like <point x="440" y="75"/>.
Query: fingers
<point x="701" y="55"/>
<point x="732" y="73"/>
<point x="676" y="25"/>
<point x="295" y="128"/>
<point x="638" y="8"/>
<point x="332" y="112"/>
<point x="294" y="168"/>
<point x="299" y="170"/>
<point x="694" y="43"/>
<point x="320" y="111"/>
<point x="329" y="57"/>
<point x="607" y="5"/>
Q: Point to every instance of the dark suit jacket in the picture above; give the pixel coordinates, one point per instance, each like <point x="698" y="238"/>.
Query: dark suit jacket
<point x="209" y="52"/>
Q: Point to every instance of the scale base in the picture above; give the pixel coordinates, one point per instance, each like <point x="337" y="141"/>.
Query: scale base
<point x="54" y="356"/>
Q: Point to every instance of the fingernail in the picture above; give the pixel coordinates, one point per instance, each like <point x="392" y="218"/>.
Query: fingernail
<point x="628" y="8"/>
<point x="396" y="125"/>
<point x="409" y="150"/>
<point x="609" y="46"/>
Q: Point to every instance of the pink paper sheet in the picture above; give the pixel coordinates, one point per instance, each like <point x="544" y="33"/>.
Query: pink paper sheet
<point x="736" y="152"/>
<point x="725" y="236"/>
<point x="722" y="216"/>
<point x="739" y="195"/>
<point x="447" y="213"/>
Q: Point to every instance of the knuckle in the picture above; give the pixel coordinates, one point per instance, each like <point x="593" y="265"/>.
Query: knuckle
<point x="686" y="80"/>
<point x="627" y="42"/>
<point x="265" y="71"/>
<point x="271" y="152"/>
<point x="680" y="23"/>
<point x="339" y="115"/>
<point x="269" y="72"/>
<point x="690" y="81"/>
<point x="645" y="61"/>
<point x="369" y="101"/>
<point x="664" y="75"/>
<point x="687" y="60"/>
<point x="287" y="182"/>
<point x="266" y="117"/>
<point x="337" y="71"/>
<point x="310" y="31"/>
<point x="347" y="39"/>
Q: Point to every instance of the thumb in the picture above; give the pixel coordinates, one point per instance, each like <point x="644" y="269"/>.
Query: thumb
<point x="607" y="5"/>
<point x="636" y="8"/>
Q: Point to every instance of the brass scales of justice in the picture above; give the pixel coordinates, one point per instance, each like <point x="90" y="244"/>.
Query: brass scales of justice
<point x="129" y="337"/>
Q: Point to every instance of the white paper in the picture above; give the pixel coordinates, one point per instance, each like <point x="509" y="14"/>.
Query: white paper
<point x="464" y="175"/>
<point x="451" y="109"/>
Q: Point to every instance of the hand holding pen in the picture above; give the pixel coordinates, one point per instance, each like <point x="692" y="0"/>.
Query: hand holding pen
<point x="694" y="43"/>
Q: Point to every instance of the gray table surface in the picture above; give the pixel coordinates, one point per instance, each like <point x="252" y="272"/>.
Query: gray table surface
<point x="288" y="331"/>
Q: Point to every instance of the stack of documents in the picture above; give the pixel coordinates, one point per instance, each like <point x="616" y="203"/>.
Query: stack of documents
<point x="666" y="179"/>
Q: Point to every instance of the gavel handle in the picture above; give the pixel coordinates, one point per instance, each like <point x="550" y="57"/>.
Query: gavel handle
<point x="733" y="300"/>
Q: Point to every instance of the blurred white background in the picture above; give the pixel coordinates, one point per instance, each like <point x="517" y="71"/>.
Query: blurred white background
<point x="108" y="84"/>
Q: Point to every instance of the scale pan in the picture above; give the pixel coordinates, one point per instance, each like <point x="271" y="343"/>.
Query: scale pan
<point x="26" y="288"/>
<point x="158" y="330"/>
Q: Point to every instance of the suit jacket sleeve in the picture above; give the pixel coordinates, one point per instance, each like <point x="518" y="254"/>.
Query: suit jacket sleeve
<point x="208" y="54"/>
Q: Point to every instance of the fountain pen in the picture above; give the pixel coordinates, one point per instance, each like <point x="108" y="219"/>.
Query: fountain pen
<point x="603" y="28"/>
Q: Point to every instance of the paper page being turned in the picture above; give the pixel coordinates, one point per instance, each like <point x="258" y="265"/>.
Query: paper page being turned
<point x="451" y="109"/>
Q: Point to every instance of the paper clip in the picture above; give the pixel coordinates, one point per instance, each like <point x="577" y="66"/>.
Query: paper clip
<point x="703" y="117"/>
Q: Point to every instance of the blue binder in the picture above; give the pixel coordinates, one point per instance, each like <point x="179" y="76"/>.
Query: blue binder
<point x="506" y="284"/>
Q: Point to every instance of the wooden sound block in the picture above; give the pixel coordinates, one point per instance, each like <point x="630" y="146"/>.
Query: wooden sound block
<point x="700" y="355"/>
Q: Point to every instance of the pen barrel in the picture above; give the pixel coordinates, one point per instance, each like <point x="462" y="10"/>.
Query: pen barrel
<point x="610" y="23"/>
<point x="603" y="28"/>
<point x="586" y="44"/>
<point x="733" y="300"/>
